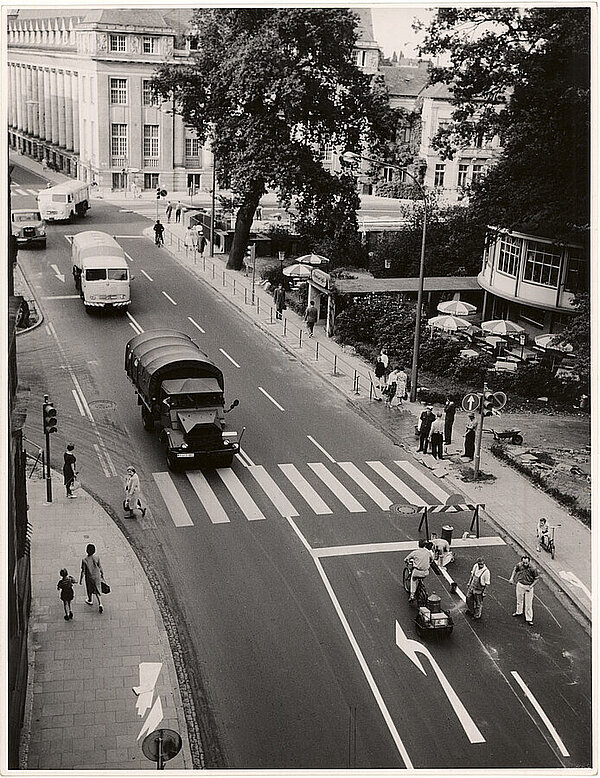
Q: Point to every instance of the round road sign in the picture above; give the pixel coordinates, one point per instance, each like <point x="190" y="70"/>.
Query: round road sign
<point x="402" y="508"/>
<point x="470" y="402"/>
<point x="170" y="744"/>
<point x="499" y="400"/>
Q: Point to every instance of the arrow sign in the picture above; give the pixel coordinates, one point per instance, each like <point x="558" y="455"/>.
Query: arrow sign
<point x="574" y="581"/>
<point x="58" y="274"/>
<point x="411" y="648"/>
<point x="471" y="402"/>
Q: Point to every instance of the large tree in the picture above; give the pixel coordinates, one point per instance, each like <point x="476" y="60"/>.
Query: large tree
<point x="268" y="87"/>
<point x="524" y="74"/>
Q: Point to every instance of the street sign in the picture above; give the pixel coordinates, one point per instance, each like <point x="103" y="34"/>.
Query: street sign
<point x="499" y="400"/>
<point x="471" y="402"/>
<point x="161" y="745"/>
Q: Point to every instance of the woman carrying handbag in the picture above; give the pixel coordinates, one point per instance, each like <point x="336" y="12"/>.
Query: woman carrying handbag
<point x="133" y="499"/>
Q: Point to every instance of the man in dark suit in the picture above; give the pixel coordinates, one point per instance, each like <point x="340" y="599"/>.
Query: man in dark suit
<point x="449" y="413"/>
<point x="426" y="420"/>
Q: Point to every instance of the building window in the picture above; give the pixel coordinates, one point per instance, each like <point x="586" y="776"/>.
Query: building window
<point x="438" y="179"/>
<point x="387" y="174"/>
<point x="150" y="140"/>
<point x="150" y="44"/>
<point x="147" y="97"/>
<point x="151" y="180"/>
<point x="327" y="153"/>
<point x="192" y="147"/>
<point x="477" y="173"/>
<point x="360" y="58"/>
<point x="118" y="42"/>
<point x="403" y="134"/>
<point x="118" y="91"/>
<point x="463" y="171"/>
<point x="542" y="264"/>
<point x="576" y="279"/>
<point x="118" y="140"/>
<point x="535" y="316"/>
<point x="508" y="260"/>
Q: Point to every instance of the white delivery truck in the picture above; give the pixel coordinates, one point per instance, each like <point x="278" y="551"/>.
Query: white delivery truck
<point x="64" y="201"/>
<point x="100" y="270"/>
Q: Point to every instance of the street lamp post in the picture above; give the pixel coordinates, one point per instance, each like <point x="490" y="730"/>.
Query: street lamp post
<point x="350" y="156"/>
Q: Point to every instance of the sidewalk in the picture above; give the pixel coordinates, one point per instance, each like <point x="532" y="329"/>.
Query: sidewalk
<point x="512" y="502"/>
<point x="81" y="709"/>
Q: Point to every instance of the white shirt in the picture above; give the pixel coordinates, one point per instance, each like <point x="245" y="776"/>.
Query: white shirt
<point x="482" y="573"/>
<point x="385" y="359"/>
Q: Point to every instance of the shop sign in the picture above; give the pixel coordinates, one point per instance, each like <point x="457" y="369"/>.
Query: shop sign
<point x="321" y="278"/>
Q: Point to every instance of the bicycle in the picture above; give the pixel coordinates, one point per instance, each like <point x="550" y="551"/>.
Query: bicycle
<point x="421" y="594"/>
<point x="549" y="545"/>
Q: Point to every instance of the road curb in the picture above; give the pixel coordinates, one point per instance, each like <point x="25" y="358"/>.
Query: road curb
<point x="37" y="302"/>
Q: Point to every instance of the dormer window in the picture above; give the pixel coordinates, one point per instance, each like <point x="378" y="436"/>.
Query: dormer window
<point x="118" y="43"/>
<point x="150" y="44"/>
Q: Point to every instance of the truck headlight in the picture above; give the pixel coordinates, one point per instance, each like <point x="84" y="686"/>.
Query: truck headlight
<point x="42" y="231"/>
<point x="226" y="442"/>
<point x="184" y="445"/>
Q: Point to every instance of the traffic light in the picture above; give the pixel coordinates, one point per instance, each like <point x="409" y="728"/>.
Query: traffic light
<point x="50" y="420"/>
<point x="488" y="403"/>
<point x="158" y="192"/>
<point x="250" y="254"/>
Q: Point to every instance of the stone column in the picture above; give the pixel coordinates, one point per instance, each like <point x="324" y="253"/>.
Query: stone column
<point x="36" y="102"/>
<point x="10" y="94"/>
<point x="75" y="109"/>
<point x="41" y="103"/>
<point x="68" y="112"/>
<point x="54" y="105"/>
<point x="47" y="105"/>
<point x="22" y="99"/>
<point x="28" y="106"/>
<point x="60" y="91"/>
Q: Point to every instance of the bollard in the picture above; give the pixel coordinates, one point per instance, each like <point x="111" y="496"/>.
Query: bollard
<point x="300" y="338"/>
<point x="284" y="326"/>
<point x="356" y="388"/>
<point x="334" y="364"/>
<point x="257" y="305"/>
<point x="203" y="264"/>
<point x="317" y="351"/>
<point x="213" y="271"/>
<point x="245" y="296"/>
<point x="224" y="284"/>
<point x="270" y="315"/>
<point x="371" y="392"/>
<point x="234" y="286"/>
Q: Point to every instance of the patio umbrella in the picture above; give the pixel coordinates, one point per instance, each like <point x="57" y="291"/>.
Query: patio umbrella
<point x="501" y="327"/>
<point x="550" y="341"/>
<point x="312" y="259"/>
<point x="448" y="323"/>
<point x="457" y="308"/>
<point x="297" y="271"/>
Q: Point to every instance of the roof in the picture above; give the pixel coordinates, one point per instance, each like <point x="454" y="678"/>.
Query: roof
<point x="439" y="91"/>
<point x="367" y="285"/>
<point x="95" y="238"/>
<point x="127" y="17"/>
<point x="405" y="81"/>
<point x="191" y="385"/>
<point x="112" y="261"/>
<point x="365" y="27"/>
<point x="64" y="188"/>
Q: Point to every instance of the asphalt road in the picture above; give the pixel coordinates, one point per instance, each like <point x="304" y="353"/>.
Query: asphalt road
<point x="298" y="636"/>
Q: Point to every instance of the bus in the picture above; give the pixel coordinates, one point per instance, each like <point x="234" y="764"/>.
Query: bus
<point x="64" y="201"/>
<point x="100" y="271"/>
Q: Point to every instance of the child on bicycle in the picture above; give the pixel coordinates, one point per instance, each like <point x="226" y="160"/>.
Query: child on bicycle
<point x="543" y="533"/>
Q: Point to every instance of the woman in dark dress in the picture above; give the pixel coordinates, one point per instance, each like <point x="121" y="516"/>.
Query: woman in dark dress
<point x="470" y="432"/>
<point x="69" y="471"/>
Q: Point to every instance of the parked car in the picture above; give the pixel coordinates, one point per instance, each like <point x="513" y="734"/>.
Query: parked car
<point x="28" y="227"/>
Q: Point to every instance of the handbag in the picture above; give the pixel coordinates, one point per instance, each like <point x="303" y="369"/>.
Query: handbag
<point x="104" y="587"/>
<point x="76" y="484"/>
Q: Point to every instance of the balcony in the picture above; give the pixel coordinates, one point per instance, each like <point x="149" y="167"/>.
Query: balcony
<point x="151" y="162"/>
<point x="120" y="162"/>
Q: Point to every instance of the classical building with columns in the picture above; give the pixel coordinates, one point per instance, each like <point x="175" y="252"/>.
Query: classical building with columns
<point x="79" y="98"/>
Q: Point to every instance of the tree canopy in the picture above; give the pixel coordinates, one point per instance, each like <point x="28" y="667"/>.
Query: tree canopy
<point x="269" y="87"/>
<point x="523" y="74"/>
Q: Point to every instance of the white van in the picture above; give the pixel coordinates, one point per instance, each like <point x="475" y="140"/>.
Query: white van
<point x="100" y="270"/>
<point x="64" y="201"/>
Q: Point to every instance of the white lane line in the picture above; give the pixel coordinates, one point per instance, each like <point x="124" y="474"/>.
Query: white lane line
<point x="241" y="460"/>
<point x="305" y="489"/>
<point x="20" y="191"/>
<point x="197" y="325"/>
<point x="393" y="480"/>
<point x="231" y="359"/>
<point x="82" y="398"/>
<point x="102" y="460"/>
<point x="146" y="274"/>
<point x="68" y="238"/>
<point x="238" y="491"/>
<point x="400" y="545"/>
<point x="273" y="492"/>
<point x="541" y="713"/>
<point x="170" y="299"/>
<point x="421" y="478"/>
<point x="174" y="503"/>
<point x="366" y="485"/>
<point x="78" y="401"/>
<point x="357" y="651"/>
<point x="268" y="396"/>
<point x="134" y="323"/>
<point x="337" y="487"/>
<point x="61" y="297"/>
<point x="321" y="449"/>
<point x="134" y="328"/>
<point x="129" y="257"/>
<point x="245" y="458"/>
<point x="207" y="497"/>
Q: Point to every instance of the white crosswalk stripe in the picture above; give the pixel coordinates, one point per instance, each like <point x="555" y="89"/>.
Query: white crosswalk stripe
<point x="305" y="490"/>
<point x="338" y="489"/>
<point x="174" y="503"/>
<point x="395" y="482"/>
<point x="366" y="485"/>
<point x="207" y="497"/>
<point x="422" y="479"/>
<point x="273" y="492"/>
<point x="240" y="494"/>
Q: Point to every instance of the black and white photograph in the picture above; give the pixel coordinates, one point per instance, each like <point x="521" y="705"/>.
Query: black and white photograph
<point x="299" y="414"/>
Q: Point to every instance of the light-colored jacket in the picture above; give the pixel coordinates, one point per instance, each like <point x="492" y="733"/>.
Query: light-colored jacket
<point x="132" y="488"/>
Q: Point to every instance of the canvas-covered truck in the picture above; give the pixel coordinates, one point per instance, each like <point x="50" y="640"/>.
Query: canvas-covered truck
<point x="180" y="392"/>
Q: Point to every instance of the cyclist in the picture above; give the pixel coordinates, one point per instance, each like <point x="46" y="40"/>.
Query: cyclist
<point x="420" y="559"/>
<point x="543" y="533"/>
<point x="158" y="233"/>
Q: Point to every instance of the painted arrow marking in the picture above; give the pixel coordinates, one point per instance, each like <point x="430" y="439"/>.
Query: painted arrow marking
<point x="574" y="581"/>
<point x="411" y="648"/>
<point x="58" y="274"/>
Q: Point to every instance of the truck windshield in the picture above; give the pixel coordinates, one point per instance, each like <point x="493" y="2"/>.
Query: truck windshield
<point x="117" y="274"/>
<point x="59" y="198"/>
<point x="196" y="400"/>
<point x="31" y="216"/>
<point x="95" y="274"/>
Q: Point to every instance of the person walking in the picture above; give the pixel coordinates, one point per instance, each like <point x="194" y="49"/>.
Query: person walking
<point x="169" y="211"/>
<point x="470" y="431"/>
<point x="178" y="211"/>
<point x="65" y="587"/>
<point x="478" y="582"/>
<point x="69" y="471"/>
<point x="158" y="233"/>
<point x="380" y="373"/>
<point x="310" y="317"/>
<point x="449" y="413"/>
<point x="91" y="570"/>
<point x="426" y="419"/>
<point x="279" y="297"/>
<point x="442" y="552"/>
<point x="189" y="241"/>
<point x="391" y="387"/>
<point x="133" y="497"/>
<point x="436" y="437"/>
<point x="202" y="243"/>
<point x="402" y="385"/>
<point x="524" y="575"/>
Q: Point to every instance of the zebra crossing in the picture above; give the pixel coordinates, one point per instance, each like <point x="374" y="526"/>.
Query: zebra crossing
<point x="255" y="493"/>
<point x="24" y="192"/>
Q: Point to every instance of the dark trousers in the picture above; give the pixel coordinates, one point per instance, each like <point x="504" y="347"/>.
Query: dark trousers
<point x="448" y="431"/>
<point x="424" y="441"/>
<point x="470" y="444"/>
<point x="437" y="445"/>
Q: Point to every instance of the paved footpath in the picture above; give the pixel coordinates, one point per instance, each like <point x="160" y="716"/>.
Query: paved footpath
<point x="81" y="709"/>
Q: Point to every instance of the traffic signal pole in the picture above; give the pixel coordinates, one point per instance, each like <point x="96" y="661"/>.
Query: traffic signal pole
<point x="485" y="409"/>
<point x="47" y="474"/>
